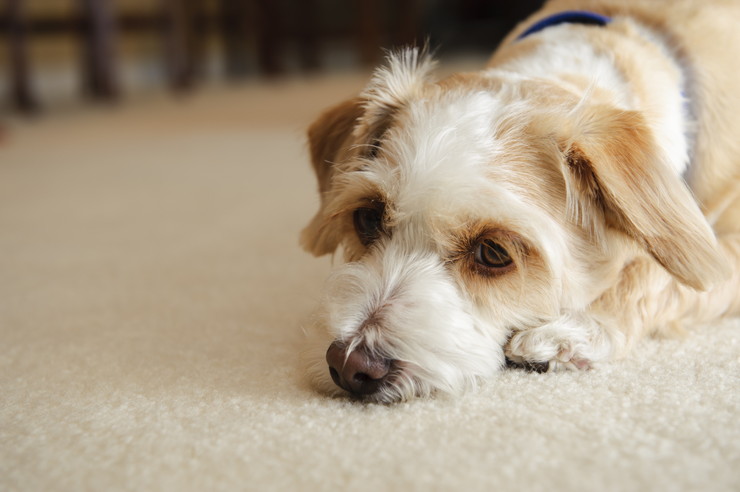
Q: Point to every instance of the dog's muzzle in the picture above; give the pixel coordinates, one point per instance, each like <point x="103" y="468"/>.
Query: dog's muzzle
<point x="359" y="371"/>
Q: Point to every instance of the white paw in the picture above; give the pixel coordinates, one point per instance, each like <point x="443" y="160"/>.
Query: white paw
<point x="559" y="345"/>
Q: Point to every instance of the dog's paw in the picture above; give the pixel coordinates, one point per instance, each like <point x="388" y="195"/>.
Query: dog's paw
<point x="560" y="345"/>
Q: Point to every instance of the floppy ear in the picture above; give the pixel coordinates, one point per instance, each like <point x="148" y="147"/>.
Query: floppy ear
<point x="327" y="136"/>
<point x="614" y="163"/>
<point x="405" y="74"/>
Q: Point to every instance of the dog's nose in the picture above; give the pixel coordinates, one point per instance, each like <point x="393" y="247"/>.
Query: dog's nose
<point x="359" y="372"/>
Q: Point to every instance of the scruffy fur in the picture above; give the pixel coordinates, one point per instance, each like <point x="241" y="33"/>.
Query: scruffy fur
<point x="606" y="160"/>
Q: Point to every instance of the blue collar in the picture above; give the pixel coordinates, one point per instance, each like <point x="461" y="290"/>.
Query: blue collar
<point x="567" y="17"/>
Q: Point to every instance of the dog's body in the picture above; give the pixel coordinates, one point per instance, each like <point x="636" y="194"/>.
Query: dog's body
<point x="537" y="210"/>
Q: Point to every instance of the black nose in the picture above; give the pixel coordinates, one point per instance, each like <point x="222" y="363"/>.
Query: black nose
<point x="359" y="371"/>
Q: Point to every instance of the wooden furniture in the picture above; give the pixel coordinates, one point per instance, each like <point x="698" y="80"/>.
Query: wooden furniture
<point x="98" y="25"/>
<point x="20" y="83"/>
<point x="261" y="36"/>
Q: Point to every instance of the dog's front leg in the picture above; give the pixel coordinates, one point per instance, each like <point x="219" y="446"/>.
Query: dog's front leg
<point x="646" y="301"/>
<point x="574" y="341"/>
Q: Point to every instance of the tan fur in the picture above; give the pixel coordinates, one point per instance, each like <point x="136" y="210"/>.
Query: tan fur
<point x="656" y="302"/>
<point x="705" y="36"/>
<point x="645" y="200"/>
<point x="327" y="135"/>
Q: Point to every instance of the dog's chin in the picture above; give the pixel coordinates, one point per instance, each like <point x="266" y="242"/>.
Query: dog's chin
<point x="401" y="385"/>
<point x="406" y="381"/>
<point x="398" y="388"/>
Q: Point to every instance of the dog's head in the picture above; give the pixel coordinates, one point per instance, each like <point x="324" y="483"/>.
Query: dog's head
<point x="471" y="206"/>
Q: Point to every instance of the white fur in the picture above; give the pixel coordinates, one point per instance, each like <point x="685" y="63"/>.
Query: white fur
<point x="402" y="302"/>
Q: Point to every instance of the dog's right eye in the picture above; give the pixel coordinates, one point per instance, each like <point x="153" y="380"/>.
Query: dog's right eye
<point x="373" y="149"/>
<point x="368" y="224"/>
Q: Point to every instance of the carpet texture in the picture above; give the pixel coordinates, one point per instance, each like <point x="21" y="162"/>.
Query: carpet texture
<point x="151" y="299"/>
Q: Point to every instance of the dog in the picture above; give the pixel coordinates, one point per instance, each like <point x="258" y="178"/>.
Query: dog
<point x="578" y="193"/>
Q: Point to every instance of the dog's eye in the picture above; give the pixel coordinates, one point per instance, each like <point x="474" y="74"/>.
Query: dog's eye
<point x="368" y="224"/>
<point x="493" y="256"/>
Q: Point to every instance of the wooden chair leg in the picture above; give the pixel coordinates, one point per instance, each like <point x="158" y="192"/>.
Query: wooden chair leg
<point x="269" y="36"/>
<point x="369" y="31"/>
<point x="198" y="30"/>
<point x="179" y="42"/>
<point x="407" y="27"/>
<point x="308" y="45"/>
<point x="24" y="98"/>
<point x="99" y="49"/>
<point x="233" y="18"/>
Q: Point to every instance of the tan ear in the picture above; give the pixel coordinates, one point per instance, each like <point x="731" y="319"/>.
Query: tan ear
<point x="618" y="166"/>
<point x="327" y="136"/>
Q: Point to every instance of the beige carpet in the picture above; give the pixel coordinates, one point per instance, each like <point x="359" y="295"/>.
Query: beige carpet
<point x="151" y="298"/>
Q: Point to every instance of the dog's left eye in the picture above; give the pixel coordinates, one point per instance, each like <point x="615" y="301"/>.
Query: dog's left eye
<point x="493" y="256"/>
<point x="368" y="224"/>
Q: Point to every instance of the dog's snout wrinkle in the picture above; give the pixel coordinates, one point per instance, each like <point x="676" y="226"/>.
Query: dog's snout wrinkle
<point x="357" y="371"/>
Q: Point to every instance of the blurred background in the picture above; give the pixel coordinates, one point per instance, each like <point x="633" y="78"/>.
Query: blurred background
<point x="62" y="52"/>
